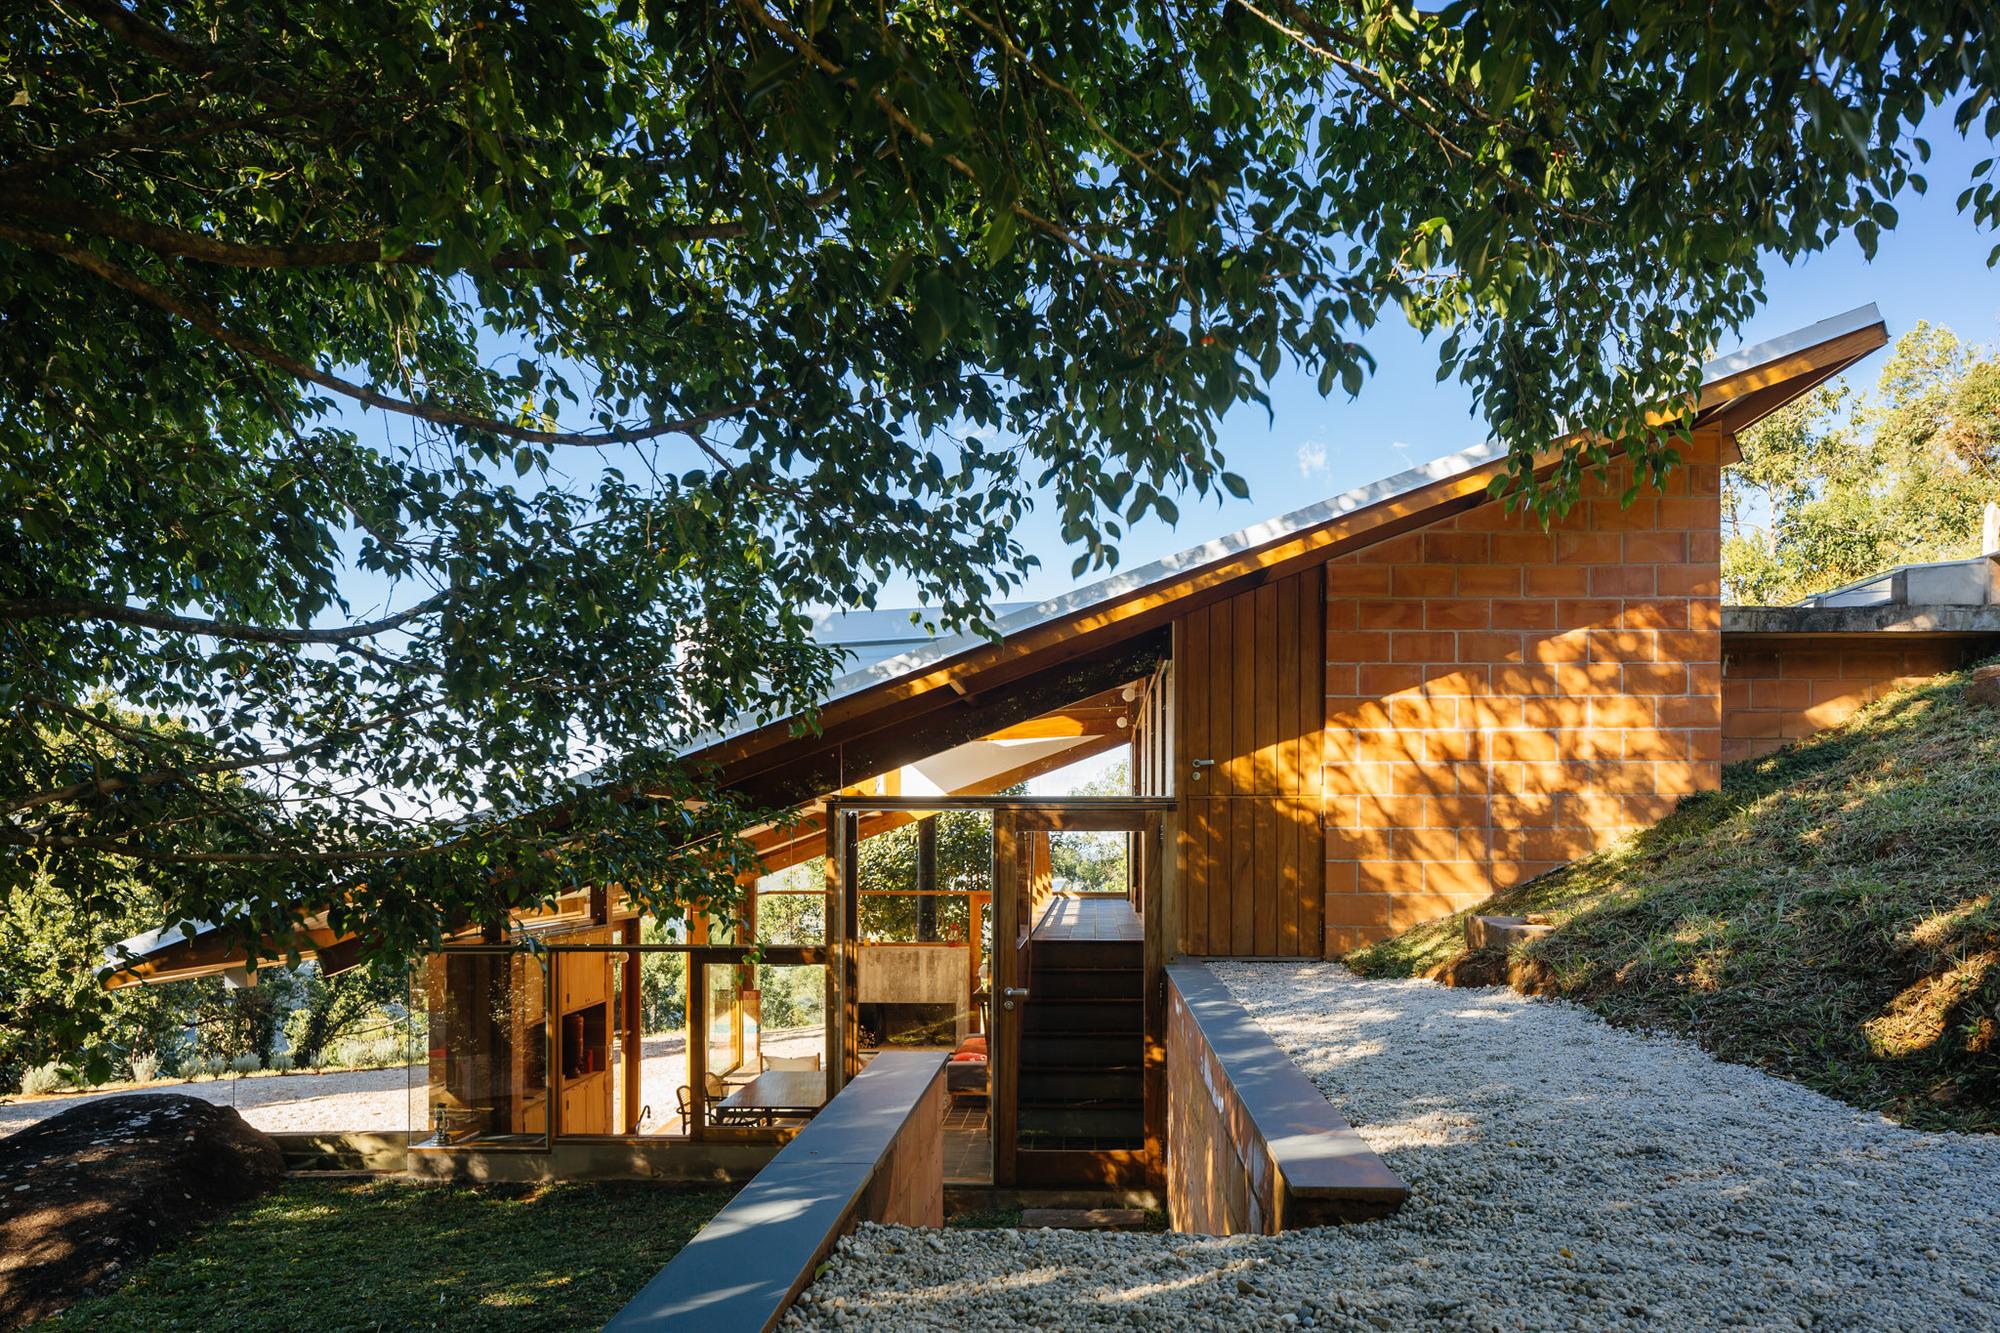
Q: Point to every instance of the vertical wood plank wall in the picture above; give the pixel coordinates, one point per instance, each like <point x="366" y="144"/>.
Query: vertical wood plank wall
<point x="1249" y="696"/>
<point x="1152" y="767"/>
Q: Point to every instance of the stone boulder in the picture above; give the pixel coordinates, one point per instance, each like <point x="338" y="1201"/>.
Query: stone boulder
<point x="86" y="1193"/>
<point x="1983" y="690"/>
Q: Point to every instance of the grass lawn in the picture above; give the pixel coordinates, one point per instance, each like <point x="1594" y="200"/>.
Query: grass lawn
<point x="1832" y="914"/>
<point x="393" y="1255"/>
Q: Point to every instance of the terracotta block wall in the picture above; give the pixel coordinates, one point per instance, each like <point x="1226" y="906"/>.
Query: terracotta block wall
<point x="1776" y="689"/>
<point x="1502" y="699"/>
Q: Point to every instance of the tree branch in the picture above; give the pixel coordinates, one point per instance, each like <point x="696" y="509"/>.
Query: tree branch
<point x="83" y="608"/>
<point x="178" y="244"/>
<point x="159" y="777"/>
<point x="149" y="37"/>
<point x="112" y="847"/>
<point x="207" y="322"/>
<point x="792" y="38"/>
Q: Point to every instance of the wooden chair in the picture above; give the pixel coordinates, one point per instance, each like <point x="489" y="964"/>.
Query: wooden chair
<point x="717" y="1090"/>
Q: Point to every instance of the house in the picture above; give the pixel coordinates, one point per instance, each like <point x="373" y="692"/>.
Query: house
<point x="1344" y="721"/>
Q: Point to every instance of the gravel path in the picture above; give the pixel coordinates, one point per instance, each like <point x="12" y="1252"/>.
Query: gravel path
<point x="347" y="1099"/>
<point x="1564" y="1174"/>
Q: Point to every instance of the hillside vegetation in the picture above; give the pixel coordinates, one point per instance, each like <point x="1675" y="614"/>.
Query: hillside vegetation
<point x="1831" y="914"/>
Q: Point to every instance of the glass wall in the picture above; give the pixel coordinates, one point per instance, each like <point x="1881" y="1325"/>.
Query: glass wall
<point x="485" y="1076"/>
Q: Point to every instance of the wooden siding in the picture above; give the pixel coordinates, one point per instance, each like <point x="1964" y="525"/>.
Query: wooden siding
<point x="1248" y="697"/>
<point x="1153" y="759"/>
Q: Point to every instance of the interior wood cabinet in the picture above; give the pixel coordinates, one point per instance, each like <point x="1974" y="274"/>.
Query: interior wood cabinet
<point x="584" y="1027"/>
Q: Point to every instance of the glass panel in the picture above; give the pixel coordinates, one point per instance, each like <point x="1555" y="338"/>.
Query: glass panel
<point x="654" y="1055"/>
<point x="488" y="1051"/>
<point x="725" y="1018"/>
<point x="791" y="905"/>
<point x="791" y="1006"/>
<point x="783" y="1079"/>
<point x="911" y="918"/>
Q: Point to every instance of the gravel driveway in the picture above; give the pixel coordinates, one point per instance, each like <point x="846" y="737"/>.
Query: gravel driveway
<point x="386" y="1100"/>
<point x="1564" y="1174"/>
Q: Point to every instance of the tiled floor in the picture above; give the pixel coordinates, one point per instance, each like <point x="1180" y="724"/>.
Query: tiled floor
<point x="968" y="1145"/>
<point x="1099" y="916"/>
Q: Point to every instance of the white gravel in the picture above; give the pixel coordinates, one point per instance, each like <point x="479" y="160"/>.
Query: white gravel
<point x="352" y="1100"/>
<point x="1564" y="1175"/>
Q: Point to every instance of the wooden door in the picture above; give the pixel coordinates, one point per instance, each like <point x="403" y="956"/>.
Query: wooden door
<point x="1250" y="682"/>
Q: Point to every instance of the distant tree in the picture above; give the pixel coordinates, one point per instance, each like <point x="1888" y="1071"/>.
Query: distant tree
<point x="426" y="404"/>
<point x="60" y="917"/>
<point x="1838" y="485"/>
<point x="964" y="865"/>
<point x="322" y="1010"/>
<point x="1093" y="862"/>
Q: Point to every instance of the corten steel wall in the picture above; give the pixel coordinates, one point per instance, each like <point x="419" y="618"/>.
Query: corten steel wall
<point x="1252" y="1146"/>
<point x="1777" y="689"/>
<point x="1502" y="699"/>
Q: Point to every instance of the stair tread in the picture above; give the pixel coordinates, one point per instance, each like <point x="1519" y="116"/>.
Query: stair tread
<point x="1067" y="1067"/>
<point x="1087" y="967"/>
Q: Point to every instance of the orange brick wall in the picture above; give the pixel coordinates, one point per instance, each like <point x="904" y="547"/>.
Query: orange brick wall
<point x="1502" y="699"/>
<point x="1778" y="689"/>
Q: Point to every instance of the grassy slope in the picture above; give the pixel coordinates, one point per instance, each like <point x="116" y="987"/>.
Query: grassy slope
<point x="381" y="1255"/>
<point x="1832" y="914"/>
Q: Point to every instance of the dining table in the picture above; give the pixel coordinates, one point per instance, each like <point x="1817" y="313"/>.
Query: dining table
<point x="775" y="1094"/>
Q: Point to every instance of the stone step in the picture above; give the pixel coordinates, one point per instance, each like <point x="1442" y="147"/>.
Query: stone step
<point x="1502" y="932"/>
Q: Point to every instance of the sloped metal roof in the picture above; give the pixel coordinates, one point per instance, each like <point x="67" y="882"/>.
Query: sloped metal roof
<point x="934" y="651"/>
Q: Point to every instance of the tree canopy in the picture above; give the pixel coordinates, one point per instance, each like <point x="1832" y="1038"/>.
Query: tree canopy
<point x="425" y="403"/>
<point x="1840" y="485"/>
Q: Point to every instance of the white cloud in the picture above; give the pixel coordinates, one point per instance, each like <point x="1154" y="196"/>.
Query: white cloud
<point x="1312" y="458"/>
<point x="1398" y="444"/>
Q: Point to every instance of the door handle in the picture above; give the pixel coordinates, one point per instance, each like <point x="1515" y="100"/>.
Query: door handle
<point x="1009" y="993"/>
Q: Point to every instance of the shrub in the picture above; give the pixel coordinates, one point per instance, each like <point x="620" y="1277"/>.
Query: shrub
<point x="145" y="1068"/>
<point x="379" y="1053"/>
<point x="45" y="1079"/>
<point x="206" y="1066"/>
<point x="281" y="1063"/>
<point x="346" y="1054"/>
<point x="246" y="1063"/>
